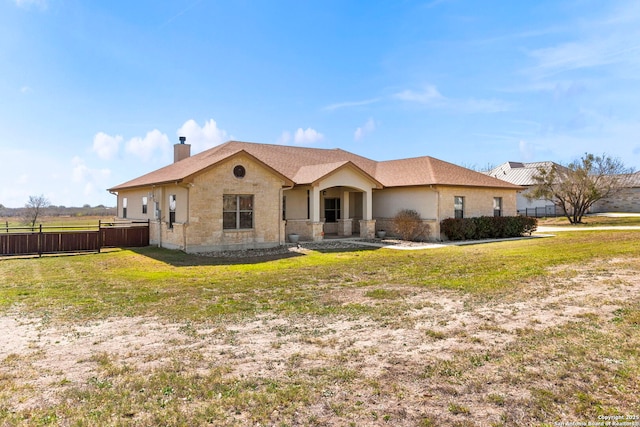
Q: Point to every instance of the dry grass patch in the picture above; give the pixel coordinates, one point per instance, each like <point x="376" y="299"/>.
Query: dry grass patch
<point x="560" y="345"/>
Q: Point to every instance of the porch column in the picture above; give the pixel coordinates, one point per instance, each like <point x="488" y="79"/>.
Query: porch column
<point x="345" y="204"/>
<point x="367" y="224"/>
<point x="367" y="204"/>
<point x="314" y="204"/>
<point x="345" y="226"/>
<point x="317" y="231"/>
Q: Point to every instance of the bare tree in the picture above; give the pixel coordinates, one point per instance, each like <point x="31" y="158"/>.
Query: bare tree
<point x="33" y="208"/>
<point x="574" y="188"/>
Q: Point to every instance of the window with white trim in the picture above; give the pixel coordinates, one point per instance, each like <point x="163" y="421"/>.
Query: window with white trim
<point x="144" y="204"/>
<point x="124" y="207"/>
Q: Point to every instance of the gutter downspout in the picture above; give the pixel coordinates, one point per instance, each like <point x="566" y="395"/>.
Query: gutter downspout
<point x="115" y="193"/>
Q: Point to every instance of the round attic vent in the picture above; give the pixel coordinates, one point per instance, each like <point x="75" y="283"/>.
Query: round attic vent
<point x="239" y="171"/>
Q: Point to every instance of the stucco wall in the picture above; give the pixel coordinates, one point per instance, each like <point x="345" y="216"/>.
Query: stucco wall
<point x="346" y="177"/>
<point x="296" y="203"/>
<point x="134" y="204"/>
<point x="388" y="202"/>
<point x="205" y="230"/>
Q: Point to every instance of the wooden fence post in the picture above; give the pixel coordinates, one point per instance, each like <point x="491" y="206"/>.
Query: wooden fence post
<point x="40" y="241"/>
<point x="99" y="235"/>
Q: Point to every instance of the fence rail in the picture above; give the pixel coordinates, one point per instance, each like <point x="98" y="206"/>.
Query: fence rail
<point x="68" y="238"/>
<point x="540" y="212"/>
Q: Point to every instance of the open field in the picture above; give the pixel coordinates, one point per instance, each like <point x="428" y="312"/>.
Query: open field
<point x="56" y="221"/>
<point x="519" y="333"/>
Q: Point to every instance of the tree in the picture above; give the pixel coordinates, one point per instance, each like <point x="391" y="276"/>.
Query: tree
<point x="33" y="208"/>
<point x="574" y="188"/>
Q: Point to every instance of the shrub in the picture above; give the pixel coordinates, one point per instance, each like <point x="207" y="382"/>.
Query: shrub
<point x="409" y="226"/>
<point x="487" y="227"/>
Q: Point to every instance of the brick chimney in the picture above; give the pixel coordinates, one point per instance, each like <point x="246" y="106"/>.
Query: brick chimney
<point x="181" y="151"/>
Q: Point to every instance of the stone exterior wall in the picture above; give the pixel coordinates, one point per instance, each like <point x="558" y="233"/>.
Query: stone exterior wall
<point x="205" y="232"/>
<point x="477" y="201"/>
<point x="628" y="200"/>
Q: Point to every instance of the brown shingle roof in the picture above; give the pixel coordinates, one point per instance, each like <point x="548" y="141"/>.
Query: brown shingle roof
<point x="304" y="165"/>
<point x="431" y="171"/>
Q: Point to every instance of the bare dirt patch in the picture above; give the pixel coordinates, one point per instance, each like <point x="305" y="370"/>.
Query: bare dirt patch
<point x="443" y="358"/>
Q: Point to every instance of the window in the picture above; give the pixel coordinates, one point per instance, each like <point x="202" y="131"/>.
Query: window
<point x="497" y="206"/>
<point x="144" y="205"/>
<point x="172" y="210"/>
<point x="284" y="208"/>
<point x="237" y="212"/>
<point x="239" y="171"/>
<point x="331" y="210"/>
<point x="458" y="206"/>
<point x="124" y="207"/>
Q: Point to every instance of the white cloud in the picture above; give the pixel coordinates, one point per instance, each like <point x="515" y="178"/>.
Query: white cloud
<point x="26" y="89"/>
<point x="365" y="129"/>
<point x="81" y="173"/>
<point x="431" y="97"/>
<point x="609" y="41"/>
<point x="308" y="136"/>
<point x="584" y="54"/>
<point x="106" y="146"/>
<point x="154" y="144"/>
<point x="348" y="104"/>
<point x="202" y="138"/>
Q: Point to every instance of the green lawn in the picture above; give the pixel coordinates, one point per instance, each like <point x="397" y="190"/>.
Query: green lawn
<point x="544" y="374"/>
<point x="158" y="282"/>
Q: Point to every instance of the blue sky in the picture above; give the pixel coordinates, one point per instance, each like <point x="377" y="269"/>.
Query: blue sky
<point x="93" y="94"/>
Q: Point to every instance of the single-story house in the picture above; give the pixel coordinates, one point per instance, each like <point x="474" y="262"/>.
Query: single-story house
<point x="522" y="174"/>
<point x="626" y="200"/>
<point x="241" y="195"/>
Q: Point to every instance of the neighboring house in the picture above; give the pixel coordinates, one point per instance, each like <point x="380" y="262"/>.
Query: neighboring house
<point x="522" y="174"/>
<point x="246" y="195"/>
<point x="627" y="200"/>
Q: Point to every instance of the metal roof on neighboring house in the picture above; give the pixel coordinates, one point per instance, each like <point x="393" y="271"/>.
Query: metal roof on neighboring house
<point x="519" y="173"/>
<point x="302" y="165"/>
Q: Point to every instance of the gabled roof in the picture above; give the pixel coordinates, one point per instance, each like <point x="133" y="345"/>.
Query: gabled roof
<point x="431" y="171"/>
<point x="519" y="173"/>
<point x="302" y="165"/>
